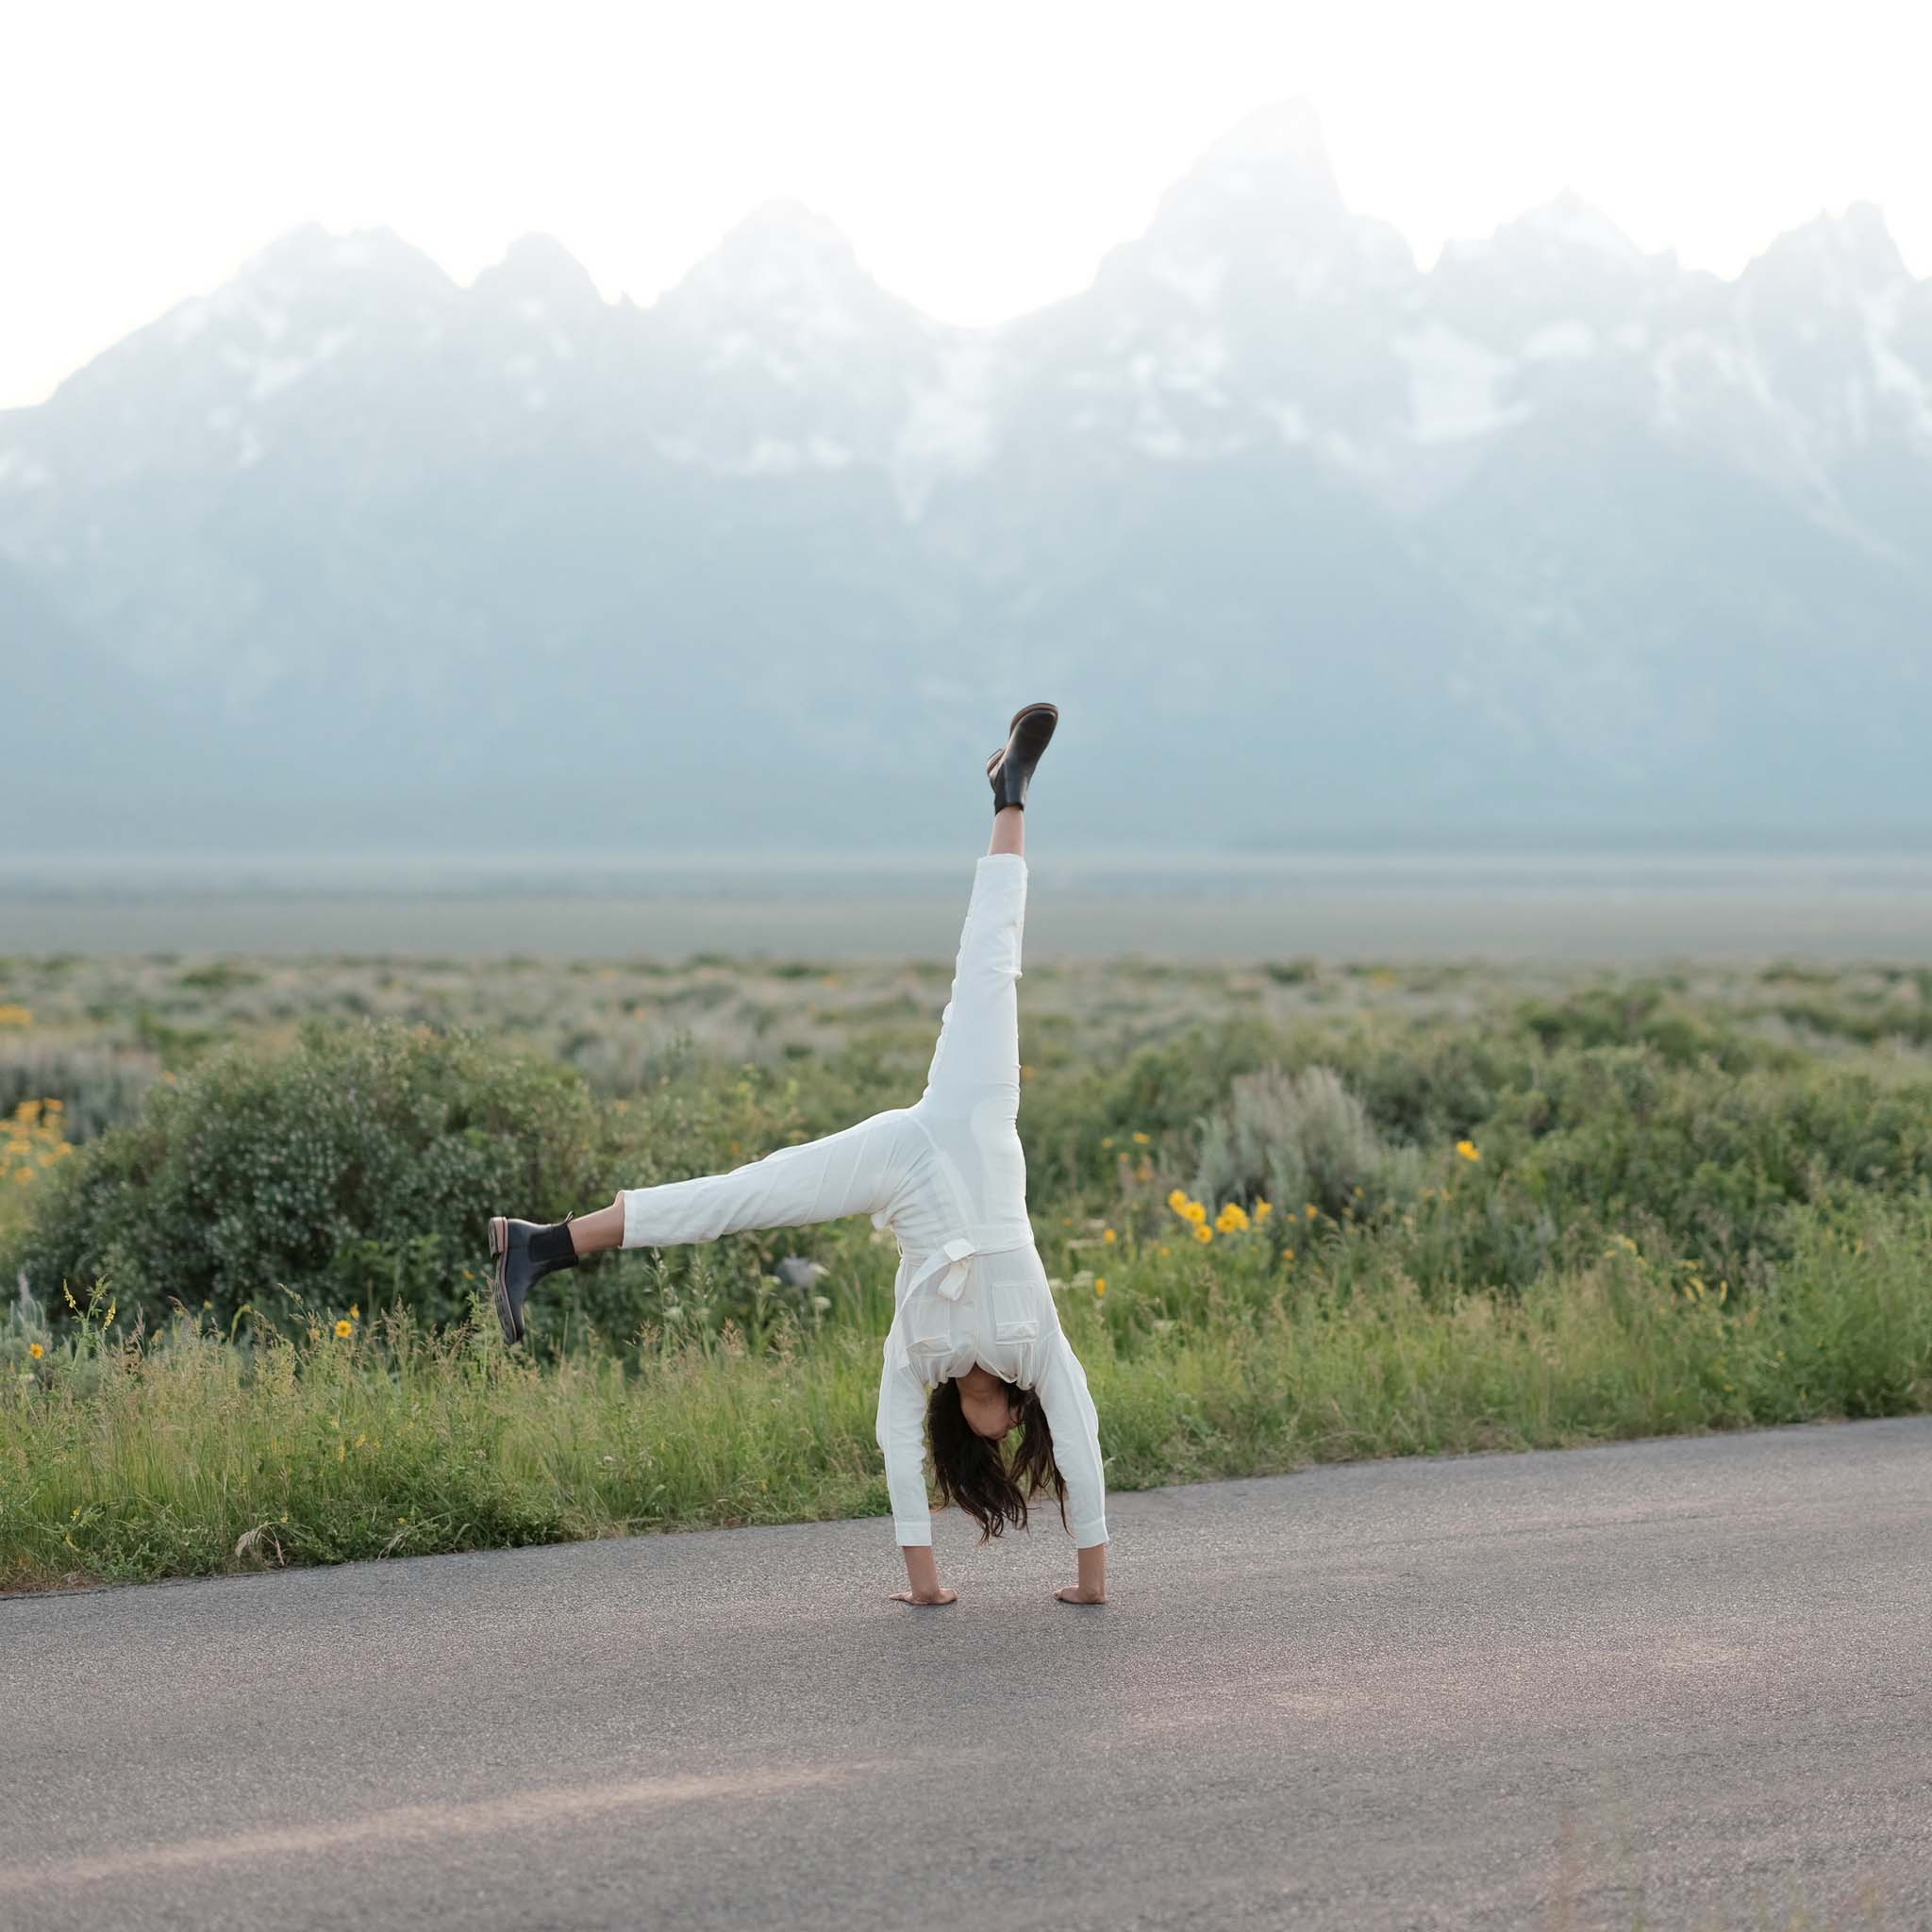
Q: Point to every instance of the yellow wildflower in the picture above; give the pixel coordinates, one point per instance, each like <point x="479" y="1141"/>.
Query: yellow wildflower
<point x="1100" y="1284"/>
<point x="1178" y="1200"/>
<point x="345" y="1329"/>
<point x="1469" y="1150"/>
<point x="1108" y="1235"/>
<point x="1233" y="1219"/>
<point x="1107" y="1140"/>
<point x="34" y="1349"/>
<point x="355" y="1311"/>
<point x="1143" y="1139"/>
<point x="1314" y="1211"/>
<point x="1202" y="1233"/>
<point x="1264" y="1209"/>
<point x="11" y="1015"/>
<point x="1195" y="1212"/>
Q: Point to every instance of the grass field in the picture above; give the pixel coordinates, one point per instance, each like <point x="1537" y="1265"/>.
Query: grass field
<point x="1293" y="1211"/>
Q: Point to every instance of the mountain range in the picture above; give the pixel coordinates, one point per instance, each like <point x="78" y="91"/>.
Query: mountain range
<point x="1557" y="541"/>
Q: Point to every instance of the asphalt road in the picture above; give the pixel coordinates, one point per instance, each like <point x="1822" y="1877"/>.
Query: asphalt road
<point x="1666" y="1684"/>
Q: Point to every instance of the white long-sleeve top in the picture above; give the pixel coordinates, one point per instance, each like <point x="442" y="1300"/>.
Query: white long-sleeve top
<point x="949" y="1177"/>
<point x="1004" y="1320"/>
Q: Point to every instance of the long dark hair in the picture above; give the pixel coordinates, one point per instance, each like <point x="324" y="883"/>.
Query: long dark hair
<point x="972" y="1470"/>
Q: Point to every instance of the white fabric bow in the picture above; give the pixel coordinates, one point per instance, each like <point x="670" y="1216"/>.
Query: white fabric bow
<point x="953" y="1259"/>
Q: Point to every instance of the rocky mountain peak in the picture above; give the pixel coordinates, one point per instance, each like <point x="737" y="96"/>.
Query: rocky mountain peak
<point x="1564" y="238"/>
<point x="310" y="257"/>
<point x="787" y="274"/>
<point x="1272" y="146"/>
<point x="539" y="268"/>
<point x="1269" y="173"/>
<point x="1567" y="225"/>
<point x="1261" y="210"/>
<point x="779" y="242"/>
<point x="1832" y="258"/>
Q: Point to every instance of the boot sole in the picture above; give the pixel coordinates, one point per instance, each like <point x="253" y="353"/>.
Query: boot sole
<point x="999" y="759"/>
<point x="499" y="1248"/>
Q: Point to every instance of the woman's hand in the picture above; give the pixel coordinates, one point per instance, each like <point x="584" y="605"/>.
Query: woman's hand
<point x="1092" y="1587"/>
<point x="921" y="1578"/>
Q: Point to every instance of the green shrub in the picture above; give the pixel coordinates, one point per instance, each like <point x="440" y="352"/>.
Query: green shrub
<point x="362" y="1166"/>
<point x="1296" y="1138"/>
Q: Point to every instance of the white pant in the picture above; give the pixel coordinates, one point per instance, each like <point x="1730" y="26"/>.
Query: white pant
<point x="948" y="1176"/>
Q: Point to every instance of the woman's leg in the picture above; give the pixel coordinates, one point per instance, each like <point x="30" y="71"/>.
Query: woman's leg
<point x="856" y="1171"/>
<point x="978" y="1047"/>
<point x="591" y="1234"/>
<point x="975" y="1073"/>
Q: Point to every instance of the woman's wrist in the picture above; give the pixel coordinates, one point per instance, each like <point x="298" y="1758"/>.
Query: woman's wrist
<point x="923" y="1572"/>
<point x="1092" y="1587"/>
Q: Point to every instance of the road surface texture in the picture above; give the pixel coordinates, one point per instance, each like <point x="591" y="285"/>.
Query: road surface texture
<point x="1663" y="1684"/>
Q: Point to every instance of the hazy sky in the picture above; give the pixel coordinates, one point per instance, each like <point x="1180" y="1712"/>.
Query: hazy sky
<point x="981" y="156"/>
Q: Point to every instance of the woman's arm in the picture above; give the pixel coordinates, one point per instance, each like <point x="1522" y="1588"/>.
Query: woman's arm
<point x="1092" y="1587"/>
<point x="922" y="1574"/>
<point x="902" y="1436"/>
<point x="1071" y="1416"/>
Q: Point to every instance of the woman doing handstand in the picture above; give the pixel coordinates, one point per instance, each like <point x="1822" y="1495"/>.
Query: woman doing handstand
<point x="975" y="1350"/>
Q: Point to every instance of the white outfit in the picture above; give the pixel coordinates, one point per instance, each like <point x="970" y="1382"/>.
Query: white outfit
<point x="948" y="1177"/>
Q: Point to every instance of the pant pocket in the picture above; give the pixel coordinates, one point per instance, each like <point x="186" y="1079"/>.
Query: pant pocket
<point x="1015" y="1314"/>
<point x="928" y="1331"/>
<point x="925" y="1354"/>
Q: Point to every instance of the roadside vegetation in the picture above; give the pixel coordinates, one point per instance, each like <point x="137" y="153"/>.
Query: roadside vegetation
<point x="1293" y="1213"/>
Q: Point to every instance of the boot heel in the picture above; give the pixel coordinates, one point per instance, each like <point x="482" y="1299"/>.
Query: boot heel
<point x="499" y="1280"/>
<point x="1011" y="768"/>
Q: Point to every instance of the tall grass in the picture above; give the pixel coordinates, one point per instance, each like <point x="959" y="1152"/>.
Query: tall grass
<point x="187" y="1452"/>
